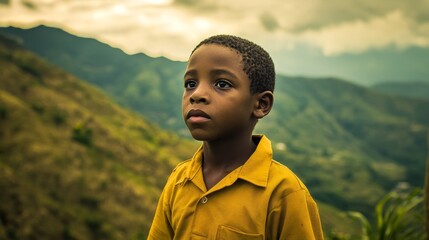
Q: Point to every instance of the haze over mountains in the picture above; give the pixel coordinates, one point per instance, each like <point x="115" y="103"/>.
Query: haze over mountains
<point x="409" y="89"/>
<point x="350" y="144"/>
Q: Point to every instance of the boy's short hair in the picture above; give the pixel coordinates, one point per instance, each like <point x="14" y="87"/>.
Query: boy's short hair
<point x="258" y="64"/>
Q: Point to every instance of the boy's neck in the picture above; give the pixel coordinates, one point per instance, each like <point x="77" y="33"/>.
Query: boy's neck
<point x="222" y="157"/>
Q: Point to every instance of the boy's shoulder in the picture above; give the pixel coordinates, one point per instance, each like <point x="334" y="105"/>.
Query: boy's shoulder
<point x="181" y="171"/>
<point x="283" y="175"/>
<point x="183" y="166"/>
<point x="279" y="167"/>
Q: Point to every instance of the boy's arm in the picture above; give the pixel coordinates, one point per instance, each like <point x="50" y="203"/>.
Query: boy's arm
<point x="295" y="217"/>
<point x="161" y="228"/>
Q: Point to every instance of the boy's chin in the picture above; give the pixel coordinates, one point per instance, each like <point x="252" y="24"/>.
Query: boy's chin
<point x="200" y="135"/>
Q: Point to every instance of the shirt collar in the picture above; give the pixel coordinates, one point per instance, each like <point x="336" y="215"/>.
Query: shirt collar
<point x="255" y="170"/>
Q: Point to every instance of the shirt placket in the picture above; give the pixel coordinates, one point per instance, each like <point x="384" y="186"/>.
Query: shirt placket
<point x="203" y="204"/>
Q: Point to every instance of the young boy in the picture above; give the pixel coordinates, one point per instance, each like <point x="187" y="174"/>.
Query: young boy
<point x="232" y="188"/>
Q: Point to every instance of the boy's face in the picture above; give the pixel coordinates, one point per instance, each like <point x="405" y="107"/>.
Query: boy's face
<point x="217" y="102"/>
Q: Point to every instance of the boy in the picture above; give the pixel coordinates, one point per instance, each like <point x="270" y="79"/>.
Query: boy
<point x="232" y="188"/>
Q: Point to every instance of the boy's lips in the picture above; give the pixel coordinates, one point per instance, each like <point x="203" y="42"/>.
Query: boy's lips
<point x="197" y="116"/>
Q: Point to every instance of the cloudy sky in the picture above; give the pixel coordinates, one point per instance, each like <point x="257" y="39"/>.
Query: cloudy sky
<point x="363" y="41"/>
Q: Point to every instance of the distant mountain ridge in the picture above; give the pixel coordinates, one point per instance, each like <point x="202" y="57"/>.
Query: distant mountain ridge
<point x="350" y="144"/>
<point x="346" y="137"/>
<point x="132" y="80"/>
<point x="408" y="89"/>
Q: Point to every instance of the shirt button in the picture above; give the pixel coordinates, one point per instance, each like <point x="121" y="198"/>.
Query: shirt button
<point x="204" y="200"/>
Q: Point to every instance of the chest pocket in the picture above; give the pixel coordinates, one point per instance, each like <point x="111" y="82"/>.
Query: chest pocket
<point x="228" y="233"/>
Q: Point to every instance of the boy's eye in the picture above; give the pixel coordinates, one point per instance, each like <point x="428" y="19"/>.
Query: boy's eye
<point x="190" y="84"/>
<point x="223" y="84"/>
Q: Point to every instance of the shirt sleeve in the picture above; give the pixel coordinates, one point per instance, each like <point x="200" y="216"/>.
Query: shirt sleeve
<point x="295" y="217"/>
<point x="161" y="225"/>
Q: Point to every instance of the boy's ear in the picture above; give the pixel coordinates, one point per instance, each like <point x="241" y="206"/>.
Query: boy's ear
<point x="263" y="104"/>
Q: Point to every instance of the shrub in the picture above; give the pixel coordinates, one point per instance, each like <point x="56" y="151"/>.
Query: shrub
<point x="3" y="111"/>
<point x="59" y="117"/>
<point x="82" y="135"/>
<point x="397" y="216"/>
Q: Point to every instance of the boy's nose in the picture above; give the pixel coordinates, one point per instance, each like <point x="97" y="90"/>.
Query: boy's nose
<point x="198" y="99"/>
<point x="199" y="95"/>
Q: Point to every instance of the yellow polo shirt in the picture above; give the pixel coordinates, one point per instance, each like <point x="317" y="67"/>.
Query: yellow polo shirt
<point x="262" y="199"/>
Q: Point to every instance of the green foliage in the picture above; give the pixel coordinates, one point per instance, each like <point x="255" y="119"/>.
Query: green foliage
<point x="409" y="89"/>
<point x="82" y="134"/>
<point x="59" y="117"/>
<point x="341" y="137"/>
<point x="54" y="186"/>
<point x="3" y="111"/>
<point x="426" y="193"/>
<point x="398" y="216"/>
<point x="37" y="107"/>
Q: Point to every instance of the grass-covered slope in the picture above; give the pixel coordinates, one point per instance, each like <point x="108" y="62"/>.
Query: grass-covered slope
<point x="409" y="89"/>
<point x="349" y="143"/>
<point x="73" y="164"/>
<point x="135" y="81"/>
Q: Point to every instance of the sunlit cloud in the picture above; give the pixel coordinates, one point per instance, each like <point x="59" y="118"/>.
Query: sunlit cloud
<point x="357" y="36"/>
<point x="172" y="28"/>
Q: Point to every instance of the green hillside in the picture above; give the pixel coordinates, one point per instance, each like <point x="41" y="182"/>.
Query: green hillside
<point x="349" y="143"/>
<point x="135" y="81"/>
<point x="74" y="165"/>
<point x="408" y="89"/>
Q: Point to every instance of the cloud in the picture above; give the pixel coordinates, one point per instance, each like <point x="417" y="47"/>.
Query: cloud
<point x="172" y="27"/>
<point x="269" y="22"/>
<point x="393" y="29"/>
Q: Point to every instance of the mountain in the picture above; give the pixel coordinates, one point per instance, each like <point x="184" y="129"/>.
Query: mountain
<point x="365" y="136"/>
<point x="408" y="89"/>
<point x="74" y="164"/>
<point x="137" y="81"/>
<point x="350" y="144"/>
